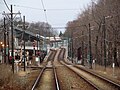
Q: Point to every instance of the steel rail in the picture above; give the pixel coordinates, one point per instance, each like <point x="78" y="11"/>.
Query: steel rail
<point x="41" y="73"/>
<point x="63" y="51"/>
<point x="88" y="81"/>
<point x="38" y="78"/>
<point x="101" y="77"/>
<point x="56" y="79"/>
<point x="55" y="75"/>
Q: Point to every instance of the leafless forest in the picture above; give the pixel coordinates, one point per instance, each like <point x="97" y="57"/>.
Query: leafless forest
<point x="102" y="19"/>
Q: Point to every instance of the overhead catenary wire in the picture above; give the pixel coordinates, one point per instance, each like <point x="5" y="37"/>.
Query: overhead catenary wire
<point x="27" y="7"/>
<point x="44" y="10"/>
<point x="7" y="5"/>
<point x="50" y="9"/>
<point x="43" y="4"/>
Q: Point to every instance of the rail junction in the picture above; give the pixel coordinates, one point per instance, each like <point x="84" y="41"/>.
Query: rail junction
<point x="57" y="73"/>
<point x="33" y="56"/>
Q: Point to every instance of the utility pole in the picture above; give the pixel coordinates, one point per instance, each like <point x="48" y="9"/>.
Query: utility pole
<point x="45" y="45"/>
<point x="12" y="40"/>
<point x="4" y="41"/>
<point x="90" y="51"/>
<point x="8" y="44"/>
<point x="83" y="48"/>
<point x="38" y="36"/>
<point x="24" y="42"/>
<point x="68" y="47"/>
<point x="55" y="41"/>
<point x="104" y="32"/>
<point x="72" y="45"/>
<point x="37" y="42"/>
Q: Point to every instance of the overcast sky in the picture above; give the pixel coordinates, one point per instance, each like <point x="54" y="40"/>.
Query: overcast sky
<point x="58" y="12"/>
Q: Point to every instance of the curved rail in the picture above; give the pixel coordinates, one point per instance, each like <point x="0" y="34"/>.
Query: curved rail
<point x="40" y="75"/>
<point x="38" y="78"/>
<point x="101" y="77"/>
<point x="93" y="85"/>
<point x="56" y="79"/>
<point x="43" y="70"/>
<point x="61" y="54"/>
<point x="55" y="74"/>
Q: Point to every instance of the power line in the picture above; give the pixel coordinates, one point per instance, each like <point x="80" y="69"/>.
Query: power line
<point x="7" y="5"/>
<point x="43" y="4"/>
<point x="50" y="9"/>
<point x="28" y="7"/>
<point x="44" y="10"/>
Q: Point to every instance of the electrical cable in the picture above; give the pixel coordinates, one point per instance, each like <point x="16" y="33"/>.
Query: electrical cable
<point x="44" y="10"/>
<point x="43" y="4"/>
<point x="69" y="9"/>
<point x="27" y="7"/>
<point x="7" y="5"/>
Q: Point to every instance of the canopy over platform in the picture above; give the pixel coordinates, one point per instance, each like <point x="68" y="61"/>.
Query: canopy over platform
<point x="19" y="33"/>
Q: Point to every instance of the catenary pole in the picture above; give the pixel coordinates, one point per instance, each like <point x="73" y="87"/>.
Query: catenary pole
<point x="104" y="32"/>
<point x="24" y="42"/>
<point x="12" y="40"/>
<point x="90" y="51"/>
<point x="72" y="45"/>
<point x="8" y="44"/>
<point x="4" y="41"/>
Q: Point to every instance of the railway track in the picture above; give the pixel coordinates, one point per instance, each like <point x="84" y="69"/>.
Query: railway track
<point x="58" y="75"/>
<point x="97" y="81"/>
<point x="47" y="78"/>
<point x="61" y="54"/>
<point x="109" y="84"/>
<point x="70" y="80"/>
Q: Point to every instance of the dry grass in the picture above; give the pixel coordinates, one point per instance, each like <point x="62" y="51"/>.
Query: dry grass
<point x="5" y="74"/>
<point x="109" y="72"/>
<point x="10" y="81"/>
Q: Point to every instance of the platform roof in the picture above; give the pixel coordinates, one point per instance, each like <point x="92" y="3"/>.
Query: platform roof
<point x="28" y="35"/>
